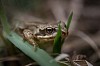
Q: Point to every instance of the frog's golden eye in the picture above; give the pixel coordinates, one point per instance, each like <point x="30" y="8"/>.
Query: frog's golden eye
<point x="49" y="30"/>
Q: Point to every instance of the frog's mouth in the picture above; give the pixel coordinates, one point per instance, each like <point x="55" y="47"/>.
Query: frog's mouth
<point x="49" y="36"/>
<point x="46" y="36"/>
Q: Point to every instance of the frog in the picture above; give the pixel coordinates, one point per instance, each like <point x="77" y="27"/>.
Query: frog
<point x="42" y="34"/>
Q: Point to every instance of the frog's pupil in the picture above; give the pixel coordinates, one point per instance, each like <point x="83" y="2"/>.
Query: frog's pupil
<point x="49" y="30"/>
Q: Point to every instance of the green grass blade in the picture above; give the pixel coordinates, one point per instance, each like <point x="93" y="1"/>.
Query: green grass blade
<point x="3" y="18"/>
<point x="40" y="56"/>
<point x="69" y="20"/>
<point x="57" y="41"/>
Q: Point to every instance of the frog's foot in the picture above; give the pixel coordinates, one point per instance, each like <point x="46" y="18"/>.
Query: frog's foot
<point x="79" y="57"/>
<point x="35" y="47"/>
<point x="24" y="40"/>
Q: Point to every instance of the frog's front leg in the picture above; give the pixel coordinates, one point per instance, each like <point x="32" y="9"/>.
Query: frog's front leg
<point x="35" y="45"/>
<point x="28" y="36"/>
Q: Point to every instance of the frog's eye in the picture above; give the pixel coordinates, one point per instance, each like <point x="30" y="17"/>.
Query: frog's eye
<point x="49" y="29"/>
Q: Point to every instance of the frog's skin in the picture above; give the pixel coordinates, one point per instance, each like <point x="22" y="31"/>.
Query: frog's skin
<point x="42" y="34"/>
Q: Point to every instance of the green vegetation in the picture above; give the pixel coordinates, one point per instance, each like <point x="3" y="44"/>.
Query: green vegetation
<point x="58" y="42"/>
<point x="40" y="56"/>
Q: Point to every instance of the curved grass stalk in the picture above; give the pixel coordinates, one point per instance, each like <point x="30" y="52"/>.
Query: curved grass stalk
<point x="86" y="38"/>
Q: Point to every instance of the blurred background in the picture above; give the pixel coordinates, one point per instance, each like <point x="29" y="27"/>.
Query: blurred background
<point x="84" y="32"/>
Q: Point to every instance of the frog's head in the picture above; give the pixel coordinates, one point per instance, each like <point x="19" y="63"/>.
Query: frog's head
<point x="47" y="32"/>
